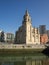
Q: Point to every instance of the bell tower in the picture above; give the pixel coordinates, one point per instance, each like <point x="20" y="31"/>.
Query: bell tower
<point x="26" y="17"/>
<point x="28" y="27"/>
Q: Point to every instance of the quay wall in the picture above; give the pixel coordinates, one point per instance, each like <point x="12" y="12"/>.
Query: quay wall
<point x="22" y="46"/>
<point x="20" y="49"/>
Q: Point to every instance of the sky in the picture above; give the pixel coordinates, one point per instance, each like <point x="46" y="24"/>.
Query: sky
<point x="12" y="12"/>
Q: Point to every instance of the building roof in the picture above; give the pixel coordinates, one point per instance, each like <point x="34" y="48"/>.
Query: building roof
<point x="9" y="33"/>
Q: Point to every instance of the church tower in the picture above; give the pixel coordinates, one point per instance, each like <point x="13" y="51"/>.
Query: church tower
<point x="28" y="27"/>
<point x="26" y="17"/>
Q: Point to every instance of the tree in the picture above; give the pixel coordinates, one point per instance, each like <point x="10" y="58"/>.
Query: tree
<point x="15" y="39"/>
<point x="2" y="37"/>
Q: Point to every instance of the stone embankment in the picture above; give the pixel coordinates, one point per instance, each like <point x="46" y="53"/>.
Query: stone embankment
<point x="21" y="46"/>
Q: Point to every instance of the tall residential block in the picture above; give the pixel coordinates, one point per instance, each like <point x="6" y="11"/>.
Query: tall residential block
<point x="42" y="29"/>
<point x="47" y="32"/>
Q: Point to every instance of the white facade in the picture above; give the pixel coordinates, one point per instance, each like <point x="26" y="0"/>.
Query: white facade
<point x="9" y="37"/>
<point x="27" y="34"/>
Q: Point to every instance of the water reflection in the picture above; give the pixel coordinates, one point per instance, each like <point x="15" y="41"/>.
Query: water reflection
<point x="24" y="60"/>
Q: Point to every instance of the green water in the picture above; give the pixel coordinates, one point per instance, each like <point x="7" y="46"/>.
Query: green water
<point x="32" y="59"/>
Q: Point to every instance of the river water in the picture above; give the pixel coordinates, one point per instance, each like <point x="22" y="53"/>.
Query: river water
<point x="39" y="59"/>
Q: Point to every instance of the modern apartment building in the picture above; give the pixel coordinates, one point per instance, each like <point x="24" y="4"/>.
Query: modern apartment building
<point x="47" y="32"/>
<point x="43" y="34"/>
<point x="9" y="37"/>
<point x="43" y="39"/>
<point x="42" y="29"/>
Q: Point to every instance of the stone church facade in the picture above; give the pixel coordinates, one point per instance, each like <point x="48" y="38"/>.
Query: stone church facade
<point x="27" y="34"/>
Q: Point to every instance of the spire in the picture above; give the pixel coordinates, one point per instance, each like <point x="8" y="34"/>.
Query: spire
<point x="26" y="13"/>
<point x="26" y="17"/>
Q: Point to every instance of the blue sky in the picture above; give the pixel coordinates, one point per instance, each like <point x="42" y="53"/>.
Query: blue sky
<point x="12" y="12"/>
